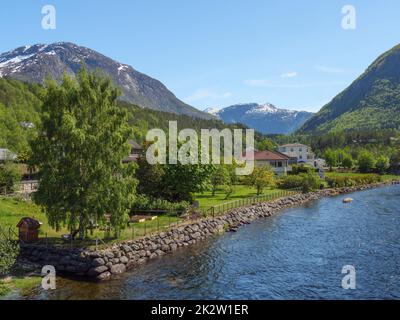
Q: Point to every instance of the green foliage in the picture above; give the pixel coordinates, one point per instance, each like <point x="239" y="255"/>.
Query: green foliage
<point x="306" y="181"/>
<point x="347" y="162"/>
<point x="180" y="182"/>
<point x="382" y="164"/>
<point x="219" y="177"/>
<point x="9" y="177"/>
<point x="143" y="202"/>
<point x="173" y="182"/>
<point x="150" y="178"/>
<point x="300" y="168"/>
<point x="353" y="180"/>
<point x="371" y="102"/>
<point x="9" y="250"/>
<point x="266" y="144"/>
<point x="260" y="178"/>
<point x="290" y="182"/>
<point x="19" y="102"/>
<point x="331" y="158"/>
<point x="311" y="181"/>
<point x="79" y="154"/>
<point x="366" y="162"/>
<point x="395" y="161"/>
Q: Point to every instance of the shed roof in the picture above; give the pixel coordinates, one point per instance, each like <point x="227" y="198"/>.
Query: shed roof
<point x="32" y="223"/>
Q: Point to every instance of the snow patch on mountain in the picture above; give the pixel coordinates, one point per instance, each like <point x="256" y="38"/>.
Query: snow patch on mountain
<point x="265" y="118"/>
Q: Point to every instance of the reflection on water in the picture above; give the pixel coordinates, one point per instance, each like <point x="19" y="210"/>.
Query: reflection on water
<point x="298" y="254"/>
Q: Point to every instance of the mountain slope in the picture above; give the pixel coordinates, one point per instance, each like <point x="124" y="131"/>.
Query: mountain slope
<point x="371" y="102"/>
<point x="265" y="118"/>
<point x="35" y="63"/>
<point x="20" y="104"/>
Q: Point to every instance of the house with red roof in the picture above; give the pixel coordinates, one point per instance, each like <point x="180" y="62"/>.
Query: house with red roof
<point x="278" y="161"/>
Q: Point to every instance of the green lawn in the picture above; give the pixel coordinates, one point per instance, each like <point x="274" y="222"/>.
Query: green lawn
<point x="12" y="210"/>
<point x="241" y="192"/>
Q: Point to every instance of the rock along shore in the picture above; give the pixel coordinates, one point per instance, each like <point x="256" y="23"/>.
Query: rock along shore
<point x="118" y="258"/>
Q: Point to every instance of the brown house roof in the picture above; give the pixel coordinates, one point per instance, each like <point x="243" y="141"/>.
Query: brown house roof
<point x="270" y="156"/>
<point x="32" y="223"/>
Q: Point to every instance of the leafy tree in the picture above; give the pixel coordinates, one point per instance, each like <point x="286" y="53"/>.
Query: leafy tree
<point x="366" y="161"/>
<point x="260" y="178"/>
<point x="382" y="164"/>
<point x="220" y="177"/>
<point x="79" y="154"/>
<point x="330" y="158"/>
<point x="150" y="178"/>
<point x="266" y="144"/>
<point x="180" y="181"/>
<point x="9" y="177"/>
<point x="347" y="162"/>
<point x="310" y="181"/>
<point x="395" y="161"/>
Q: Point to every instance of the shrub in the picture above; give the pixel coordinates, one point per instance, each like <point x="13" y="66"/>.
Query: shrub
<point x="143" y="202"/>
<point x="301" y="168"/>
<point x="311" y="181"/>
<point x="352" y="181"/>
<point x="306" y="181"/>
<point x="9" y="177"/>
<point x="290" y="182"/>
<point x="9" y="250"/>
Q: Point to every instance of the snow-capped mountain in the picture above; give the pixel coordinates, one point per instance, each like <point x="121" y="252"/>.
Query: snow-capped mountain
<point x="35" y="63"/>
<point x="265" y="118"/>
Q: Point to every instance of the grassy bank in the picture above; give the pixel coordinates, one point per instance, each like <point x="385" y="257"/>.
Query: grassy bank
<point x="241" y="192"/>
<point x="22" y="285"/>
<point x="13" y="209"/>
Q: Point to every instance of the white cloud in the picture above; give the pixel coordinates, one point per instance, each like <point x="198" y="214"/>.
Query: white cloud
<point x="326" y="69"/>
<point x="202" y="94"/>
<point x="289" y="74"/>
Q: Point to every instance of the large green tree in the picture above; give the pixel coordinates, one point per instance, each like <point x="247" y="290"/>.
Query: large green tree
<point x="260" y="178"/>
<point x="79" y="154"/>
<point x="366" y="161"/>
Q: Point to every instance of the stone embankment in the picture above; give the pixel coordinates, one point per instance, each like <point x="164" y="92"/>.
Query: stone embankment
<point x="118" y="258"/>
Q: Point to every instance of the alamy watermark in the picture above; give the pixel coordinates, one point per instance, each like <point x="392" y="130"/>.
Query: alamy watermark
<point x="49" y="278"/>
<point x="349" y="20"/>
<point x="183" y="147"/>
<point x="49" y="19"/>
<point x="349" y="280"/>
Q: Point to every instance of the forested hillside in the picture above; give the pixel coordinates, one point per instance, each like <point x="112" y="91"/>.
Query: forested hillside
<point x="20" y="105"/>
<point x="370" y="102"/>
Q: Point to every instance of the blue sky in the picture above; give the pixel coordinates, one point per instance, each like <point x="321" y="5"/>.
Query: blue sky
<point x="291" y="53"/>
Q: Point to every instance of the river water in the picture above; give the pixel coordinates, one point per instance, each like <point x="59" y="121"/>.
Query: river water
<point x="297" y="254"/>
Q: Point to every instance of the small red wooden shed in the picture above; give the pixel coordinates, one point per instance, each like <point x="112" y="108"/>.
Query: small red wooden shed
<point x="28" y="229"/>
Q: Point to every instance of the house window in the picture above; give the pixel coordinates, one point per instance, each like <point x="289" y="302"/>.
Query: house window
<point x="291" y="150"/>
<point x="280" y="164"/>
<point x="300" y="157"/>
<point x="301" y="149"/>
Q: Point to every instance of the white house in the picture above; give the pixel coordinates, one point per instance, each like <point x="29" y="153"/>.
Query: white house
<point x="299" y="151"/>
<point x="6" y="154"/>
